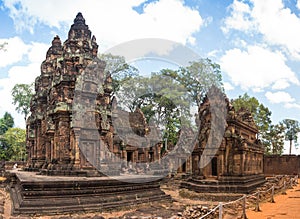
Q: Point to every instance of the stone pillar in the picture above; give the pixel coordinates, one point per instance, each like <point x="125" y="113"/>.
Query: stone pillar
<point x="76" y="149"/>
<point x="62" y="138"/>
<point x="40" y="152"/>
<point x="243" y="158"/>
<point x="135" y="156"/>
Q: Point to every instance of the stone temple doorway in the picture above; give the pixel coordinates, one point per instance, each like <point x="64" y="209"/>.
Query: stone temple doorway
<point x="183" y="161"/>
<point x="129" y="156"/>
<point x="214" y="167"/>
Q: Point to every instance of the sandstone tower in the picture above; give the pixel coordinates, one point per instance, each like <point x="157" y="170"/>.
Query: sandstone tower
<point x="51" y="138"/>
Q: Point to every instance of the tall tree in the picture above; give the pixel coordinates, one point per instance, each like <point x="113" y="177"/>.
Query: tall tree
<point x="6" y="122"/>
<point x="22" y="94"/>
<point x="198" y="78"/>
<point x="119" y="70"/>
<point x="261" y="114"/>
<point x="162" y="100"/>
<point x="292" y="128"/>
<point x="275" y="139"/>
<point x="268" y="134"/>
<point x="15" y="139"/>
<point x="246" y="102"/>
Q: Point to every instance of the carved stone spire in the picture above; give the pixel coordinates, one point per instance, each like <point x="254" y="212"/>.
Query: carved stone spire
<point x="56" y="48"/>
<point x="79" y="30"/>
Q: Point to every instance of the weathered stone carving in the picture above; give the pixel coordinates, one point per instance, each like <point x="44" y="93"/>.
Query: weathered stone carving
<point x="51" y="140"/>
<point x="237" y="164"/>
<point x="58" y="123"/>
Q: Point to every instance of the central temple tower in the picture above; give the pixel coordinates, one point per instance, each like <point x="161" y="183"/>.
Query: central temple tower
<point x="51" y="141"/>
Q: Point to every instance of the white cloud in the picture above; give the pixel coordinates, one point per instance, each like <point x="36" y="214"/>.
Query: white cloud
<point x="240" y="17"/>
<point x="14" y="51"/>
<point x="228" y="86"/>
<point x="298" y="4"/>
<point x="113" y="21"/>
<point x="292" y="105"/>
<point x="37" y="52"/>
<point x="16" y="75"/>
<point x="26" y="74"/>
<point x="278" y="24"/>
<point x="257" y="68"/>
<point x="280" y="84"/>
<point x="279" y="97"/>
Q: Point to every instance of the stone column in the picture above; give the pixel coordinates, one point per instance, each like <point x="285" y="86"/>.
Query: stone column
<point x="243" y="158"/>
<point x="76" y="149"/>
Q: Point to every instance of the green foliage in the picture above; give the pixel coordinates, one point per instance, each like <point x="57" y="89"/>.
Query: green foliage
<point x="22" y="94"/>
<point x="166" y="97"/>
<point x="15" y="141"/>
<point x="261" y="114"/>
<point x="275" y="139"/>
<point x="119" y="70"/>
<point x="292" y="128"/>
<point x="6" y="122"/>
<point x="262" y="118"/>
<point x="163" y="101"/>
<point x="198" y="78"/>
<point x="246" y="102"/>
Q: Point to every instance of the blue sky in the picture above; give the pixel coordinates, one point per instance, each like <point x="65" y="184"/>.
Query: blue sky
<point x="256" y="42"/>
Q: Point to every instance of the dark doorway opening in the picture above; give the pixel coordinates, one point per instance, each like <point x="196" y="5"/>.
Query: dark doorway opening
<point x="129" y="156"/>
<point x="183" y="166"/>
<point x="214" y="167"/>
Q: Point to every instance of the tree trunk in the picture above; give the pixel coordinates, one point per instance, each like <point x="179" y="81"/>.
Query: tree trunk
<point x="291" y="142"/>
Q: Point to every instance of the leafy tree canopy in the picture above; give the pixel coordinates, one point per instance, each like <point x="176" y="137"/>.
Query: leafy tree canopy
<point x="163" y="101"/>
<point x="119" y="70"/>
<point x="198" y="78"/>
<point x="6" y="122"/>
<point x="275" y="139"/>
<point x="22" y="94"/>
<point x="15" y="140"/>
<point x="292" y="128"/>
<point x="270" y="135"/>
<point x="261" y="114"/>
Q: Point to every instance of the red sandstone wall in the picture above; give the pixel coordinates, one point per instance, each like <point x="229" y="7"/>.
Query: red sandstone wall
<point x="285" y="164"/>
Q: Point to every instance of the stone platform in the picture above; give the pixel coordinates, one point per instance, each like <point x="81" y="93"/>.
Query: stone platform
<point x="229" y="184"/>
<point x="34" y="194"/>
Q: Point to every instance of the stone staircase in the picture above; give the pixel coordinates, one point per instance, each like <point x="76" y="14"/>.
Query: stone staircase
<point x="226" y="184"/>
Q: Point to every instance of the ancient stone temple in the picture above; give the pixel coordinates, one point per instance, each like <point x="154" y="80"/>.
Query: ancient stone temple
<point x="234" y="165"/>
<point x="73" y="130"/>
<point x="134" y="139"/>
<point x="51" y="138"/>
<point x="55" y="136"/>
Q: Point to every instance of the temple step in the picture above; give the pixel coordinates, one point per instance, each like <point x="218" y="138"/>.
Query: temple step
<point x="43" y="195"/>
<point x="243" y="184"/>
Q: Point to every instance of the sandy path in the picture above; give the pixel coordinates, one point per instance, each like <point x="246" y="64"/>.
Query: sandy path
<point x="285" y="206"/>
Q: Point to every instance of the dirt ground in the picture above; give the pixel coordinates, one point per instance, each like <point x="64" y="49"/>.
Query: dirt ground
<point x="285" y="206"/>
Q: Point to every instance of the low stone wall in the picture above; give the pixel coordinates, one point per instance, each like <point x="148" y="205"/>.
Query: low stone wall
<point x="284" y="165"/>
<point x="9" y="165"/>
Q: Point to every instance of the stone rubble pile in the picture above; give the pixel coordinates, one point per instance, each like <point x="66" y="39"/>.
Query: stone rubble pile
<point x="193" y="212"/>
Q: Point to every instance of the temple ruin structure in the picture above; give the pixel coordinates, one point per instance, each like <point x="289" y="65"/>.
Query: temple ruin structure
<point x="74" y="128"/>
<point x="234" y="165"/>
<point x="55" y="134"/>
<point x="52" y="129"/>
